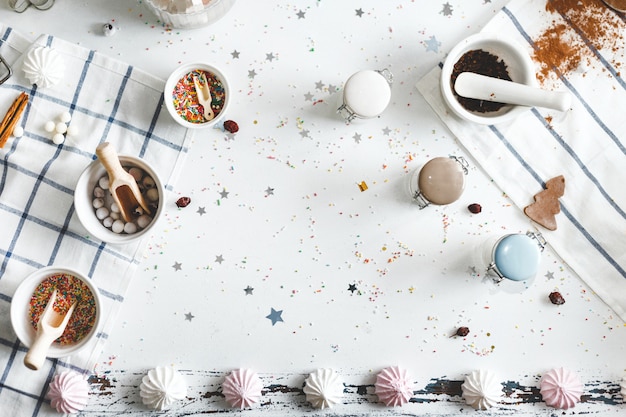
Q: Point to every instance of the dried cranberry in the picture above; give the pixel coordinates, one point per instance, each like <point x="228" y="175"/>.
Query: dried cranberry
<point x="462" y="331"/>
<point x="183" y="202"/>
<point x="475" y="208"/>
<point x="231" y="126"/>
<point x="556" y="298"/>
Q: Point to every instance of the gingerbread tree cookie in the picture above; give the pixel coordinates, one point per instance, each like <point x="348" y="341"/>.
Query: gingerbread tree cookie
<point x="546" y="204"/>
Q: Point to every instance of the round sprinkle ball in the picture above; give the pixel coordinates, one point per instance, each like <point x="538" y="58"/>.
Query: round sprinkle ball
<point x="58" y="138"/>
<point x="72" y="130"/>
<point x="50" y="126"/>
<point x="65" y="117"/>
<point x="60" y="127"/>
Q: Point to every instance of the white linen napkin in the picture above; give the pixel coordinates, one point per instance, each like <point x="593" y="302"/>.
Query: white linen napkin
<point x="109" y="101"/>
<point x="585" y="144"/>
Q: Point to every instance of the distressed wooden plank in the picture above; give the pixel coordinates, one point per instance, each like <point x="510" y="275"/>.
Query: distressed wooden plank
<point x="116" y="393"/>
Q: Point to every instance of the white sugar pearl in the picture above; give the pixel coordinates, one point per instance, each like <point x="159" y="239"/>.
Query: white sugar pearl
<point x="58" y="138"/>
<point x="73" y="130"/>
<point x="50" y="126"/>
<point x="137" y="173"/>
<point x="130" y="228"/>
<point x="143" y="221"/>
<point x="117" y="226"/>
<point x="115" y="208"/>
<point x="65" y="117"/>
<point x="108" y="222"/>
<point x="152" y="194"/>
<point x="98" y="202"/>
<point x="115" y="215"/>
<point x="60" y="127"/>
<point x="104" y="183"/>
<point x="98" y="192"/>
<point x="18" y="132"/>
<point x="102" y="213"/>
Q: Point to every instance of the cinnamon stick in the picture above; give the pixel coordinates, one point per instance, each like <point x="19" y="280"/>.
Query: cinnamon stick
<point x="11" y="117"/>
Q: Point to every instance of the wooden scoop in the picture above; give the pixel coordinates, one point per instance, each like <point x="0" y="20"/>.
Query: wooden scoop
<point x="122" y="185"/>
<point x="50" y="327"/>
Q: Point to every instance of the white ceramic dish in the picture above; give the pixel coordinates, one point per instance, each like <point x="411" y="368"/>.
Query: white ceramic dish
<point x="177" y="75"/>
<point x="519" y="66"/>
<point x="83" y="199"/>
<point x="185" y="14"/>
<point x="20" y="310"/>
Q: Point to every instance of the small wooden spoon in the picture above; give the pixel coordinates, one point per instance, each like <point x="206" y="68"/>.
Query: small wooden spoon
<point x="50" y="327"/>
<point x="122" y="185"/>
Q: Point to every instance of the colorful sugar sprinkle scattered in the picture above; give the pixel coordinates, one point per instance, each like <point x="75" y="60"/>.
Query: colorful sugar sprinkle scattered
<point x="185" y="97"/>
<point x="70" y="290"/>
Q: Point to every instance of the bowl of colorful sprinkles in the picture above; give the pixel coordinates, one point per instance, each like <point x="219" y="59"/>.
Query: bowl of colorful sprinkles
<point x="494" y="56"/>
<point x="197" y="95"/>
<point x="98" y="212"/>
<point x="32" y="295"/>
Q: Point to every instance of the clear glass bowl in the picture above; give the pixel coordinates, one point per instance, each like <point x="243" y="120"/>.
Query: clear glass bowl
<point x="189" y="14"/>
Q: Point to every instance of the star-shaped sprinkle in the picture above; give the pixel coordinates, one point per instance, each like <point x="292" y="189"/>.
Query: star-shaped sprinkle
<point x="235" y="54"/>
<point x="269" y="191"/>
<point x="300" y="14"/>
<point x="270" y="57"/>
<point x="386" y="131"/>
<point x="357" y="137"/>
<point x="308" y="96"/>
<point x="304" y="133"/>
<point x="251" y="74"/>
<point x="471" y="270"/>
<point x="248" y="290"/>
<point x="177" y="266"/>
<point x="549" y="275"/>
<point x="352" y="288"/>
<point x="201" y="211"/>
<point x="189" y="316"/>
<point x="432" y="44"/>
<point x="219" y="259"/>
<point x="447" y="9"/>
<point x="319" y="85"/>
<point x="224" y="193"/>
<point x="332" y="88"/>
<point x="359" y="12"/>
<point x="275" y="316"/>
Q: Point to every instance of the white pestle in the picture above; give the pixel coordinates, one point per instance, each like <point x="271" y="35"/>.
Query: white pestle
<point x="482" y="87"/>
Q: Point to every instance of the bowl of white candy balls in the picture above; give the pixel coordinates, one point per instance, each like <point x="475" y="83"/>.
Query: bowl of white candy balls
<point x="98" y="211"/>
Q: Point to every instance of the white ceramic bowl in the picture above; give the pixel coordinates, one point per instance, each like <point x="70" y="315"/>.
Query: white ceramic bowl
<point x="20" y="310"/>
<point x="83" y="200"/>
<point x="519" y="66"/>
<point x="181" y="72"/>
<point x="185" y="15"/>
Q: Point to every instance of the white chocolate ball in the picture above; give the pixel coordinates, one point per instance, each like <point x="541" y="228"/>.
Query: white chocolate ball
<point x="98" y="202"/>
<point x="103" y="182"/>
<point x="58" y="138"/>
<point x="50" y="126"/>
<point x="65" y="117"/>
<point x="60" y="127"/>
<point x="115" y="208"/>
<point x="18" y="132"/>
<point x="98" y="192"/>
<point x="152" y="194"/>
<point x="102" y="213"/>
<point x="137" y="173"/>
<point x="72" y="130"/>
<point x="117" y="226"/>
<point x="108" y="222"/>
<point x="143" y="221"/>
<point x="130" y="228"/>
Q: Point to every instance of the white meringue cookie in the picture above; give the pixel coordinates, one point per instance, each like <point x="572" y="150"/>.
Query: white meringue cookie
<point x="323" y="388"/>
<point x="481" y="389"/>
<point x="43" y="66"/>
<point x="162" y="387"/>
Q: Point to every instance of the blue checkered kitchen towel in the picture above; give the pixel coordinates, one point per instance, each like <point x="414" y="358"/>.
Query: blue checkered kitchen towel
<point x="109" y="101"/>
<point x="587" y="144"/>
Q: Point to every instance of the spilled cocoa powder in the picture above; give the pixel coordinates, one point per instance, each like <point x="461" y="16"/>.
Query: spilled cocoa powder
<point x="561" y="48"/>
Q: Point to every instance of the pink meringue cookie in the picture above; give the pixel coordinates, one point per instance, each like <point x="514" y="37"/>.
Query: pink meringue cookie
<point x="561" y="388"/>
<point x="68" y="392"/>
<point x="242" y="388"/>
<point x="393" y="386"/>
